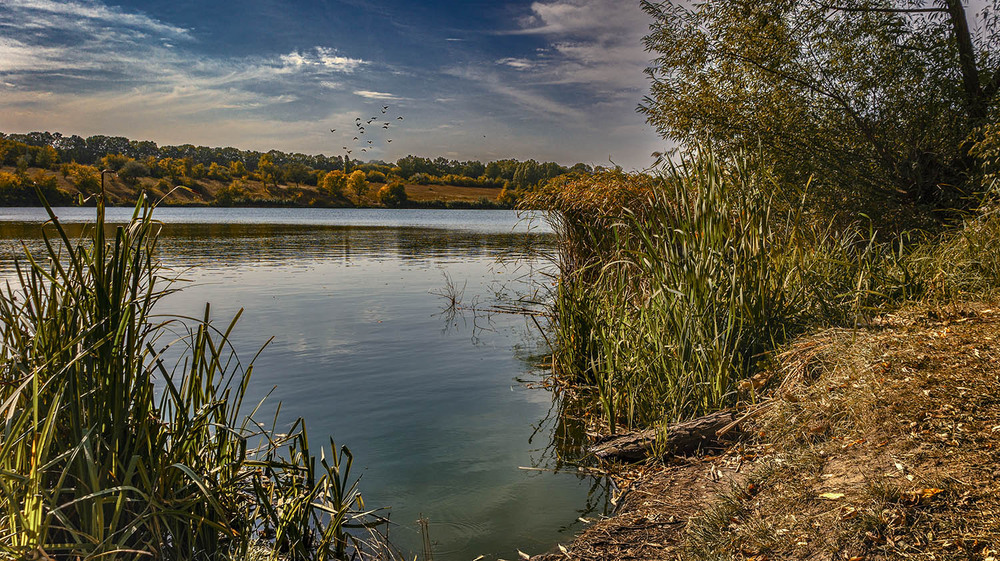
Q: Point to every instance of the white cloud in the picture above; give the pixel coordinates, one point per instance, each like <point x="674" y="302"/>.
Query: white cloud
<point x="322" y="57"/>
<point x="46" y="13"/>
<point x="293" y="59"/>
<point x="597" y="43"/>
<point x="367" y="94"/>
<point x="517" y="63"/>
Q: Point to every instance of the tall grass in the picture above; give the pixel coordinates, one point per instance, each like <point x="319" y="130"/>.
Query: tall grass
<point x="674" y="287"/>
<point x="108" y="450"/>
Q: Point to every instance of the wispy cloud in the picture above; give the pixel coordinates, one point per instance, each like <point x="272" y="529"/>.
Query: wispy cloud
<point x="324" y="57"/>
<point x="367" y="94"/>
<point x="72" y="49"/>
<point x="517" y="63"/>
<point x="597" y="43"/>
<point x="41" y="14"/>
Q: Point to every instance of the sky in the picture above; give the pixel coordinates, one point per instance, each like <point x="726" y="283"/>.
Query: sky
<point x="553" y="80"/>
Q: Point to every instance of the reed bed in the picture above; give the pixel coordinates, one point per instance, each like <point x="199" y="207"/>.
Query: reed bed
<point x="110" y="451"/>
<point x="674" y="287"/>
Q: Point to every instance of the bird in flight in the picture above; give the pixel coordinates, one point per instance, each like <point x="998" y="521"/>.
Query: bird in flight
<point x="390" y="140"/>
<point x="333" y="130"/>
<point x="399" y="118"/>
<point x="355" y="138"/>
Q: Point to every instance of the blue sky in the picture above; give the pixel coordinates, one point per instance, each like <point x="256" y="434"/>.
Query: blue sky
<point x="473" y="79"/>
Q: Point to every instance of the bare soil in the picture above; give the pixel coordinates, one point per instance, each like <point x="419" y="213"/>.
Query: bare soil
<point x="878" y="443"/>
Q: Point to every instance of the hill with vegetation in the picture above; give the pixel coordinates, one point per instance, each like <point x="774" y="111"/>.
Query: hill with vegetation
<point x="67" y="168"/>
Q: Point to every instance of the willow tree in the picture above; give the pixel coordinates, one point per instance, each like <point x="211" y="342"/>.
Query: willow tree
<point x="875" y="99"/>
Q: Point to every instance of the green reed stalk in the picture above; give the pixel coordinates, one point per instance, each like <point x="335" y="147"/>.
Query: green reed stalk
<point x="674" y="287"/>
<point x="105" y="452"/>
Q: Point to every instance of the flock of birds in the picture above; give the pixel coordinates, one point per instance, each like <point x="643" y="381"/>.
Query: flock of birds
<point x="362" y="127"/>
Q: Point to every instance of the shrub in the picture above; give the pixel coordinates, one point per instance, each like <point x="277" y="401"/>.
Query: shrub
<point x="131" y="171"/>
<point x="334" y="183"/>
<point x="231" y="194"/>
<point x="393" y="195"/>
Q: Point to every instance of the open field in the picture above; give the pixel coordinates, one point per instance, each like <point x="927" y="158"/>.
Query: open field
<point x="450" y="193"/>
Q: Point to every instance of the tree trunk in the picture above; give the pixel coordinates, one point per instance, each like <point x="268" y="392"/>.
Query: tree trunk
<point x="976" y="105"/>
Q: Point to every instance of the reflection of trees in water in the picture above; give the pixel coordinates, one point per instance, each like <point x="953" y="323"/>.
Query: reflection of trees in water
<point x="236" y="244"/>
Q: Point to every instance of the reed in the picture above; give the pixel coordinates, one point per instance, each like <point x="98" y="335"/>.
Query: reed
<point x="108" y="449"/>
<point x="674" y="287"/>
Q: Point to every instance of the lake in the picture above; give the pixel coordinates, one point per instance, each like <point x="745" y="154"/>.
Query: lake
<point x="438" y="408"/>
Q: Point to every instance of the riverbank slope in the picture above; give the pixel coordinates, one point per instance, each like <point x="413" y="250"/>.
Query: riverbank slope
<point x="877" y="443"/>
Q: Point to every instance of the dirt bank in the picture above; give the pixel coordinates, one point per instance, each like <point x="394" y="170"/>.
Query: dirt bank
<point x="880" y="443"/>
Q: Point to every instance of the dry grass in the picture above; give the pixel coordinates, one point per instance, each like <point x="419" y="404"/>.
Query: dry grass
<point x="879" y="444"/>
<point x="449" y="193"/>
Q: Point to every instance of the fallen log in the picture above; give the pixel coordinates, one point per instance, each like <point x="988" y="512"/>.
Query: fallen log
<point x="676" y="439"/>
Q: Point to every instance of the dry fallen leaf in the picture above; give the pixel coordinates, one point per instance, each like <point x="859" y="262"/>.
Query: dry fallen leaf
<point x="928" y="493"/>
<point x="832" y="496"/>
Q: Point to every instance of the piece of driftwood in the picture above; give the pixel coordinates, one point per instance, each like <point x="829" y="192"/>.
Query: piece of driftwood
<point x="678" y="438"/>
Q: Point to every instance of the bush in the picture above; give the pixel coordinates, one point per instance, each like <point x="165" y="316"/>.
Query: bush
<point x="393" y="195"/>
<point x="114" y="162"/>
<point x="131" y="171"/>
<point x="234" y="193"/>
<point x="85" y="178"/>
<point x="420" y="179"/>
<point x="334" y="184"/>
<point x="19" y="189"/>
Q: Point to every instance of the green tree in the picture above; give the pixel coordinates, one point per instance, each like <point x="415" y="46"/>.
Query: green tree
<point x="113" y="162"/>
<point x="267" y="171"/>
<point x="295" y="173"/>
<point x="131" y="171"/>
<point x="877" y="98"/>
<point x="357" y="184"/>
<point x="85" y="178"/>
<point x="334" y="183"/>
<point x="393" y="195"/>
<point x="237" y="169"/>
<point x="219" y="173"/>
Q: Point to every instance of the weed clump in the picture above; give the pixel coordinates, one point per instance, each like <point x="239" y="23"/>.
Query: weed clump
<point x="674" y="287"/>
<point x="106" y="450"/>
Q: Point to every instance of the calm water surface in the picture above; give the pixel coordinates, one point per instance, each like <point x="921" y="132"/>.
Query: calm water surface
<point x="432" y="406"/>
